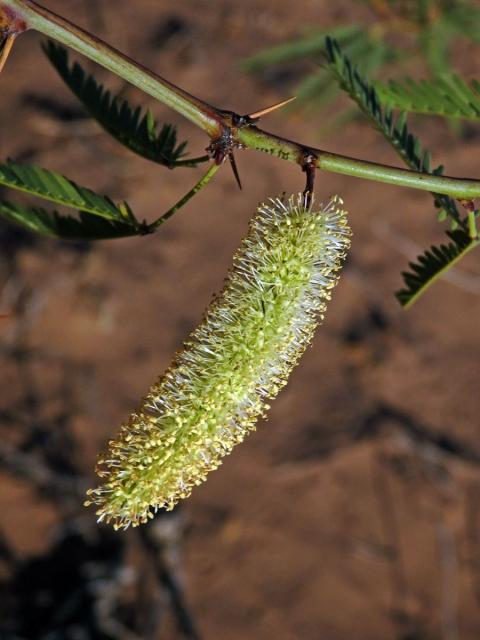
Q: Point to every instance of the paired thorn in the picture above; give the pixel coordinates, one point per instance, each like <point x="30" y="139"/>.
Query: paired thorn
<point x="250" y="118"/>
<point x="222" y="147"/>
<point x="274" y="107"/>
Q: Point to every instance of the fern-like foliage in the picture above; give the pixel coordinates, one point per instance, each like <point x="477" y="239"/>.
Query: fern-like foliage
<point x="437" y="260"/>
<point x="305" y="47"/>
<point x="131" y="127"/>
<point x="434" y="24"/>
<point x="432" y="264"/>
<point x="394" y="130"/>
<point x="448" y="96"/>
<point x="54" y="187"/>
<point x="55" y="225"/>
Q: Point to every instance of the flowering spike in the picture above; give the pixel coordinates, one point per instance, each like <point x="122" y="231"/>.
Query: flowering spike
<point x="240" y="356"/>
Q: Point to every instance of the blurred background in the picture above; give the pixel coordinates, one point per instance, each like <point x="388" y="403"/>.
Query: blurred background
<point x="354" y="512"/>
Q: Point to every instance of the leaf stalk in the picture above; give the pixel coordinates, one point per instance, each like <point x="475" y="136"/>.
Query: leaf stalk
<point x="212" y="170"/>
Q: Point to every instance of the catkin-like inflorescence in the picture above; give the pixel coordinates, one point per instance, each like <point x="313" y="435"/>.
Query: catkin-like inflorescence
<point x="240" y="356"/>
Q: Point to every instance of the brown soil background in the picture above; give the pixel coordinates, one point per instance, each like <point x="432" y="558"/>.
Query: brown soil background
<point x="354" y="511"/>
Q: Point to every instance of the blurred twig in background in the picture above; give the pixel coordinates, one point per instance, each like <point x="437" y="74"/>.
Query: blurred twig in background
<point x="402" y="32"/>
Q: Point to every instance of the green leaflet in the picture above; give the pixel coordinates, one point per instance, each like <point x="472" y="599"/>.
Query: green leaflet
<point x="127" y="124"/>
<point x="55" y="225"/>
<point x="54" y="187"/>
<point x="432" y="264"/>
<point x="448" y="96"/>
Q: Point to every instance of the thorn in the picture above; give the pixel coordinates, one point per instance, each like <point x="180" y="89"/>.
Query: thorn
<point x="274" y="107"/>
<point x="231" y="157"/>
<point x="5" y="49"/>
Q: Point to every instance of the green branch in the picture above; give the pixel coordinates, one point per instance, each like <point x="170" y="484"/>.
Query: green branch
<point x="52" y="25"/>
<point x="216" y="122"/>
<point x="461" y="188"/>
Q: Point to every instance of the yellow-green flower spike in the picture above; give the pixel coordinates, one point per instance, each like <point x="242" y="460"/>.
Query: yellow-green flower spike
<point x="240" y="356"/>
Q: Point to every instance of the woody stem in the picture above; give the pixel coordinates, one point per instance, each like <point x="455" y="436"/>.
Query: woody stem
<point x="216" y="122"/>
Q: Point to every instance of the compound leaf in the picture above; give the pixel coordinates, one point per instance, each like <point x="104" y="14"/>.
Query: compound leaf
<point x="130" y="126"/>
<point x="394" y="130"/>
<point x="55" y="225"/>
<point x="432" y="264"/>
<point x="55" y="187"/>
<point x="449" y="96"/>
